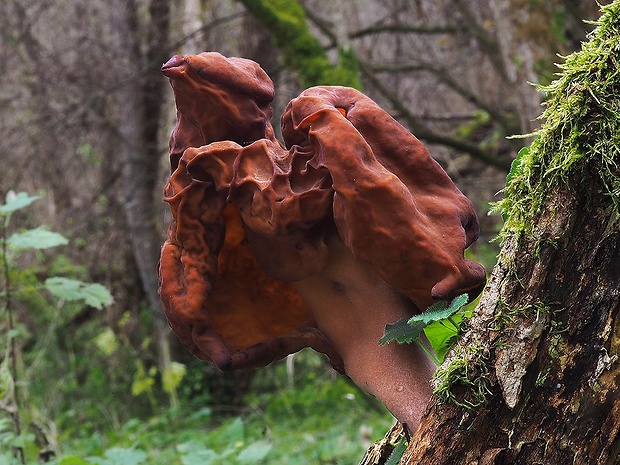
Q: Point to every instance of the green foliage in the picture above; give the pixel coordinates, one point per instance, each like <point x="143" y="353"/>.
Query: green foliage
<point x="467" y="368"/>
<point x="441" y="336"/>
<point x="92" y="294"/>
<point x="172" y="376"/>
<point x="16" y="202"/>
<point x="21" y="285"/>
<point x="38" y="238"/>
<point x="440" y="311"/>
<point x="119" y="456"/>
<point x="310" y="417"/>
<point x="301" y="51"/>
<point x="398" y="452"/>
<point x="579" y="133"/>
<point x="143" y="379"/>
<point x="235" y="451"/>
<point x="307" y="416"/>
<point x="402" y="332"/>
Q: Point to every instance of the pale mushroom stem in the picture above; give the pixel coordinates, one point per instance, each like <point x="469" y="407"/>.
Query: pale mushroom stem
<point x="351" y="304"/>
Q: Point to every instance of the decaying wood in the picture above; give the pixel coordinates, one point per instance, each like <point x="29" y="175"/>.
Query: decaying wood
<point x="378" y="453"/>
<point x="554" y="380"/>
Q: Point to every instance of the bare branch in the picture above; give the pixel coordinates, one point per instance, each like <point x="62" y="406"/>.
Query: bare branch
<point x="415" y="125"/>
<point x="425" y="133"/>
<point x="444" y="76"/>
<point x="488" y="45"/>
<point x="404" y="29"/>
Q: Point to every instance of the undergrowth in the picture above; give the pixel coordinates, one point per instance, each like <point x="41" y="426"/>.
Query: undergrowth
<point x="313" y="418"/>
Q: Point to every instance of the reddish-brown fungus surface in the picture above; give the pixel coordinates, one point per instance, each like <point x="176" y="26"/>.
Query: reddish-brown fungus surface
<point x="319" y="243"/>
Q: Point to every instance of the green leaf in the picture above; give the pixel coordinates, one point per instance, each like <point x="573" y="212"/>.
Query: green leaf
<point x="38" y="238"/>
<point x="142" y="381"/>
<point x="172" y="376"/>
<point x="7" y="458"/>
<point x="406" y="331"/>
<point x="7" y="386"/>
<point x="440" y="310"/>
<point x="194" y="453"/>
<point x="515" y="166"/>
<point x="398" y="452"/>
<point x="254" y="453"/>
<point x="96" y="295"/>
<point x="16" y="202"/>
<point x="106" y="341"/>
<point x="72" y="460"/>
<point x="402" y="332"/>
<point x="234" y="432"/>
<point x="442" y="335"/>
<point x="92" y="294"/>
<point x="123" y="456"/>
<point x="23" y="440"/>
<point x="120" y="456"/>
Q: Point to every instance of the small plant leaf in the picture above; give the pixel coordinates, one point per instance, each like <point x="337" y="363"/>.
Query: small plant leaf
<point x="72" y="460"/>
<point x="442" y="335"/>
<point x="254" y="453"/>
<point x="38" y="238"/>
<point x="515" y="166"/>
<point x="402" y="332"/>
<point x="194" y="453"/>
<point x="22" y="441"/>
<point x="142" y="381"/>
<point x="106" y="342"/>
<point x="172" y="376"/>
<point x="16" y="202"/>
<point x="92" y="294"/>
<point x="96" y="295"/>
<point x="235" y="432"/>
<point x="397" y="452"/>
<point x="440" y="310"/>
<point x="120" y="456"/>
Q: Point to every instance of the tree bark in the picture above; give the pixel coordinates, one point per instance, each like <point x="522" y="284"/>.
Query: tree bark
<point x="545" y="338"/>
<point x="140" y="107"/>
<point x="535" y="379"/>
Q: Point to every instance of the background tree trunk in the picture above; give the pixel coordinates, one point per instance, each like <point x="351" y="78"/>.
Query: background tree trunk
<point x="140" y="101"/>
<point x="535" y="380"/>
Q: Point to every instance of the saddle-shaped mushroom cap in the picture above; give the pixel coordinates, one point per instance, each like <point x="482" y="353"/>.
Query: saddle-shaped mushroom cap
<point x="317" y="243"/>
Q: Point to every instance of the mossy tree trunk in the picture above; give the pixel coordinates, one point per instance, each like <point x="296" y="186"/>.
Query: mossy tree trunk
<point x="535" y="379"/>
<point x="542" y="351"/>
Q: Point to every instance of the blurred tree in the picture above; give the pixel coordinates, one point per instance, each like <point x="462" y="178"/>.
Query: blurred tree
<point x="142" y="45"/>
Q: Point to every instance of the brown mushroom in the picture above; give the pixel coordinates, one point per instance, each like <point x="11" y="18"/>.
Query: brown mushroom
<point x="352" y="227"/>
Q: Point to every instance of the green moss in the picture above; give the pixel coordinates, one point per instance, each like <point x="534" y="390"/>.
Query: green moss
<point x="468" y="367"/>
<point x="578" y="143"/>
<point x="301" y="51"/>
<point x="506" y="318"/>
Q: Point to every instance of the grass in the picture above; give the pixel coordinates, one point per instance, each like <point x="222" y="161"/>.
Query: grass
<point x="320" y="419"/>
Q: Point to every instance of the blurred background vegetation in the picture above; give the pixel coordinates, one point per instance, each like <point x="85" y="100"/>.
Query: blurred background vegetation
<point x="87" y="377"/>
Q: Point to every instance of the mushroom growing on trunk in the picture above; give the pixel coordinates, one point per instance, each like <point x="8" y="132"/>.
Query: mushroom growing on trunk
<point x="319" y="243"/>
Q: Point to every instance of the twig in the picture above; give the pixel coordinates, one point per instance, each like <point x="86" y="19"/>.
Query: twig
<point x="13" y="346"/>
